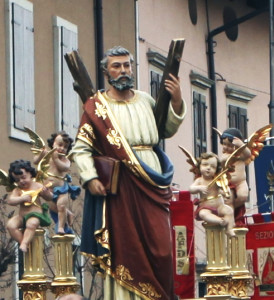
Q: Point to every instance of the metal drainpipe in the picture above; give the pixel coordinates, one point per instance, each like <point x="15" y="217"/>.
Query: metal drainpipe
<point x="211" y="67"/>
<point x="137" y="46"/>
<point x="271" y="49"/>
<point x="99" y="42"/>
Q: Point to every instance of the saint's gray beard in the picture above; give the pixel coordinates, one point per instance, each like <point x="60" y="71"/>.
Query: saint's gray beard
<point x="120" y="83"/>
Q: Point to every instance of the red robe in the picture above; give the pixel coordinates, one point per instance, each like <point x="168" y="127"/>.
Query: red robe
<point x="132" y="228"/>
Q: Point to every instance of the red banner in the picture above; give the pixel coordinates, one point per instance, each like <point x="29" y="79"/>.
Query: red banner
<point x="260" y="259"/>
<point x="182" y="221"/>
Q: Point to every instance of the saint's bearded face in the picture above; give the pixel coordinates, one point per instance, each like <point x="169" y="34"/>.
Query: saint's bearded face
<point x="122" y="82"/>
<point x="119" y="72"/>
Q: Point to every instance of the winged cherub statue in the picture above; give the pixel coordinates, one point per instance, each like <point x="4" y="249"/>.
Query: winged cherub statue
<point x="232" y="139"/>
<point x="58" y="175"/>
<point x="26" y="189"/>
<point x="211" y="186"/>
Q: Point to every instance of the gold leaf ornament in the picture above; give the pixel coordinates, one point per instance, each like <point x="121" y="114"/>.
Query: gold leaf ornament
<point x="123" y="273"/>
<point x="113" y="138"/>
<point x="100" y="110"/>
<point x="149" y="290"/>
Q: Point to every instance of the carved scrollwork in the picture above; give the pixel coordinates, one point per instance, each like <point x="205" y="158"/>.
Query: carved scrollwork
<point x="149" y="290"/>
<point x="100" y="110"/>
<point x="113" y="138"/>
<point x="123" y="273"/>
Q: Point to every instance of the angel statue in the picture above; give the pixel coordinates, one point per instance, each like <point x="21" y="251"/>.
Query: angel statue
<point x="211" y="184"/>
<point x="232" y="139"/>
<point x="58" y="176"/>
<point x="25" y="189"/>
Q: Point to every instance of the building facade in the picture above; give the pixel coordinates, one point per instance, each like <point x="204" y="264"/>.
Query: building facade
<point x="224" y="71"/>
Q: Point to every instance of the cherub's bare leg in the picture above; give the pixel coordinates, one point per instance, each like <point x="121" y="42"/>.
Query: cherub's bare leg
<point x="230" y="201"/>
<point x="208" y="216"/>
<point x="70" y="217"/>
<point x="13" y="226"/>
<point x="228" y="215"/>
<point x="241" y="194"/>
<point x="53" y="206"/>
<point x="62" y="204"/>
<point x="31" y="225"/>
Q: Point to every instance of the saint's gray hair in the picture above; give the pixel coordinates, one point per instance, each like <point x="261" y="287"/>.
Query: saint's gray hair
<point x="115" y="51"/>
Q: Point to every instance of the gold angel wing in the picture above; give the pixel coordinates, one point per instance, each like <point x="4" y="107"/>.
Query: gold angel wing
<point x="255" y="141"/>
<point x="221" y="179"/>
<point x="43" y="167"/>
<point x="37" y="142"/>
<point x="234" y="157"/>
<point x="5" y="181"/>
<point x="217" y="131"/>
<point x="192" y="161"/>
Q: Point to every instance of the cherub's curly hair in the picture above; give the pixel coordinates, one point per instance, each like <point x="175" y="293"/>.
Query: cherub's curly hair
<point x="230" y="134"/>
<point x="17" y="165"/>
<point x="66" y="138"/>
<point x="207" y="155"/>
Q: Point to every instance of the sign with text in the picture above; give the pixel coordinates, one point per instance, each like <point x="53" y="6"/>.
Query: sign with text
<point x="182" y="222"/>
<point x="260" y="259"/>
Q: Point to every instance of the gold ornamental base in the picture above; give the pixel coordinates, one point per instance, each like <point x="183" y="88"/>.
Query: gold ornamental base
<point x="34" y="283"/>
<point x="34" y="289"/>
<point x="226" y="276"/>
<point x="64" y="281"/>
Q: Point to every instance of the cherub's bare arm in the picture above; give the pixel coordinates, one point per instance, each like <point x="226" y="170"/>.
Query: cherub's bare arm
<point x="246" y="153"/>
<point x="16" y="198"/>
<point x="61" y="163"/>
<point x="46" y="194"/>
<point x="196" y="187"/>
<point x="38" y="157"/>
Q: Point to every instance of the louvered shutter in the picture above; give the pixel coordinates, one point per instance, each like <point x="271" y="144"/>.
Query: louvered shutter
<point x="238" y="118"/>
<point x="23" y="63"/>
<point x="199" y="113"/>
<point x="70" y="101"/>
<point x="155" y="82"/>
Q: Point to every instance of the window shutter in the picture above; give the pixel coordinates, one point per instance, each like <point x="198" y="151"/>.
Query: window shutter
<point x="233" y="119"/>
<point x="199" y="113"/>
<point x="203" y="123"/>
<point x="243" y="121"/>
<point x="197" y="149"/>
<point x="238" y="118"/>
<point x="23" y="62"/>
<point x="70" y="101"/>
<point x="155" y="81"/>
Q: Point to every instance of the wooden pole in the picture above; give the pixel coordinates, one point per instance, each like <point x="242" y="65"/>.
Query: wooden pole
<point x="172" y="66"/>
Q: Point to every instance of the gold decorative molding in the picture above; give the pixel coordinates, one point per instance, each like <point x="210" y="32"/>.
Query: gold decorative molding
<point x="216" y="247"/>
<point x="34" y="283"/>
<point x="64" y="281"/>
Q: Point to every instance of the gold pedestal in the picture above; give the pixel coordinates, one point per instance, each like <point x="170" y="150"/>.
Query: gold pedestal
<point x="237" y="261"/>
<point x="217" y="276"/>
<point x="216" y="248"/>
<point x="64" y="281"/>
<point x="34" y="282"/>
<point x="227" y="276"/>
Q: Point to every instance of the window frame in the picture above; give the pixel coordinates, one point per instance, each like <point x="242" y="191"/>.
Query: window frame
<point x="240" y="106"/>
<point x="10" y="65"/>
<point x="200" y="128"/>
<point x="58" y="24"/>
